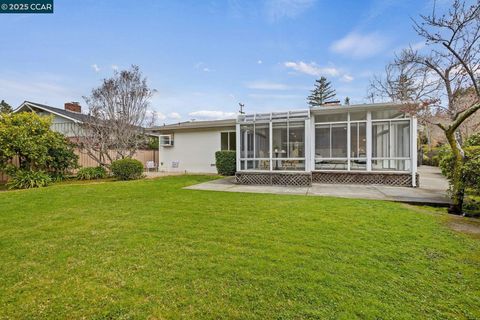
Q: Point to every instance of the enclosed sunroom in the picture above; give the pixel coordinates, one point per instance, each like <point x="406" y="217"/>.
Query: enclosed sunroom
<point x="366" y="144"/>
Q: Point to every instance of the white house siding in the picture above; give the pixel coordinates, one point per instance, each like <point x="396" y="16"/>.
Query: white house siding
<point x="194" y="150"/>
<point x="60" y="124"/>
<point x="65" y="127"/>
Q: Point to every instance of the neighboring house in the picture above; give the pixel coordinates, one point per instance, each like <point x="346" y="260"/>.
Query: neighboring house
<point x="367" y="143"/>
<point x="68" y="122"/>
<point x="65" y="121"/>
<point x="191" y="146"/>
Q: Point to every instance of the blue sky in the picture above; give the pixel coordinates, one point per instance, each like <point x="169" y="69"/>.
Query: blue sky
<point x="203" y="57"/>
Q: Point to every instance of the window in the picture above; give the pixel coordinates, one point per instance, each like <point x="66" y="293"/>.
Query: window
<point x="287" y="149"/>
<point x="228" y="141"/>
<point x="332" y="149"/>
<point x="166" y="140"/>
<point x="358" y="146"/>
<point x="391" y="145"/>
<point x="262" y="140"/>
<point x="331" y="146"/>
<point x="296" y="139"/>
<point x="338" y="146"/>
<point x="387" y="114"/>
<point x="279" y="139"/>
<point x="336" y="117"/>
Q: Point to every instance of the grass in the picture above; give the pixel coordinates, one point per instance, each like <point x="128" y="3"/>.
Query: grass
<point x="151" y="250"/>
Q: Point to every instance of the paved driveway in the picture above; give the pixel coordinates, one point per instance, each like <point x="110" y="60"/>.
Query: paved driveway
<point x="432" y="189"/>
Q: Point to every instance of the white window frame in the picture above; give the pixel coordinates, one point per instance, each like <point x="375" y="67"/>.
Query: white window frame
<point x="170" y="140"/>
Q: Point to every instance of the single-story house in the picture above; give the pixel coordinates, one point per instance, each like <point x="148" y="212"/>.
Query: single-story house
<point x="191" y="146"/>
<point x="65" y="121"/>
<point x="365" y="143"/>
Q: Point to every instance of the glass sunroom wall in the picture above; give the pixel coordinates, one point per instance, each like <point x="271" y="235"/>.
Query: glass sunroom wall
<point x="331" y="142"/>
<point x="342" y="142"/>
<point x="296" y="147"/>
<point x="254" y="147"/>
<point x="391" y="141"/>
<point x="279" y="139"/>
<point x="358" y="146"/>
<point x="288" y="145"/>
<point x="275" y="141"/>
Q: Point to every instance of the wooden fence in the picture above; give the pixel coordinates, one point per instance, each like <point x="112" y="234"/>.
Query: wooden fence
<point x="84" y="160"/>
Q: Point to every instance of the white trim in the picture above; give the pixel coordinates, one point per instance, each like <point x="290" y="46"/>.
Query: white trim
<point x="31" y="104"/>
<point x="413" y="153"/>
<point x="312" y="146"/>
<point x="369" y="139"/>
<point x="237" y="137"/>
<point x="270" y="141"/>
<point x="349" y="138"/>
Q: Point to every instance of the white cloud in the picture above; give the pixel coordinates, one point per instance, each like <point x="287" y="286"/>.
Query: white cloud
<point x="346" y="78"/>
<point x="114" y="67"/>
<point x="312" y="68"/>
<point x="360" y="45"/>
<point x="202" y="66"/>
<point x="278" y="9"/>
<point x="158" y="117"/>
<point x="95" y="67"/>
<point x="266" y="85"/>
<point x="259" y="62"/>
<point x="212" y="114"/>
<point x="174" y="115"/>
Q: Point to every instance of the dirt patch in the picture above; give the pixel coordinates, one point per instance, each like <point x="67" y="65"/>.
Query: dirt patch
<point x="465" y="225"/>
<point x="470" y="226"/>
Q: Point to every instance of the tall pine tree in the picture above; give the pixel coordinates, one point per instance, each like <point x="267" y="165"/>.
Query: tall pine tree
<point x="322" y="93"/>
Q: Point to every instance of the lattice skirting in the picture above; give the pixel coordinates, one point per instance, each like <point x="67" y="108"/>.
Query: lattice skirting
<point x="299" y="179"/>
<point x="390" y="179"/>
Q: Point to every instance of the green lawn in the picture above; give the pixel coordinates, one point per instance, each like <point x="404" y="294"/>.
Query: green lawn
<point x="151" y="250"/>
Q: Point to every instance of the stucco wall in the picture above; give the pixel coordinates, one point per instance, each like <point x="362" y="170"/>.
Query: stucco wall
<point x="194" y="150"/>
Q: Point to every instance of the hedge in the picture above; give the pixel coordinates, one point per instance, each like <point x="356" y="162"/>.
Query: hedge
<point x="226" y="162"/>
<point x="127" y="169"/>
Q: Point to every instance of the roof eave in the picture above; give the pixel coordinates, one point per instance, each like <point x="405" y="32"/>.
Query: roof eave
<point x="33" y="104"/>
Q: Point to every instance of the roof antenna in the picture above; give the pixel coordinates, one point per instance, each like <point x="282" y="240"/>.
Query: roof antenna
<point x="241" y="108"/>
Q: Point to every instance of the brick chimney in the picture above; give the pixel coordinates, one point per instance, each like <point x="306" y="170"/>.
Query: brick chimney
<point x="73" y="107"/>
<point x="335" y="103"/>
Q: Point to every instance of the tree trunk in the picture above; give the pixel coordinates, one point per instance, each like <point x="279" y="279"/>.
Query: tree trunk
<point x="457" y="186"/>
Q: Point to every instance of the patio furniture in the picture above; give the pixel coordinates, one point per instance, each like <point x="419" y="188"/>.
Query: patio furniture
<point x="150" y="165"/>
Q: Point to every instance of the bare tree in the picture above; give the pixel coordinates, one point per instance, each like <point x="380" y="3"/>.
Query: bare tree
<point x="117" y="115"/>
<point x="437" y="81"/>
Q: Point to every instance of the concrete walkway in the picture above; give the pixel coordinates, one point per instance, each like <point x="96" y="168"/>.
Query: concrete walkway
<point x="432" y="189"/>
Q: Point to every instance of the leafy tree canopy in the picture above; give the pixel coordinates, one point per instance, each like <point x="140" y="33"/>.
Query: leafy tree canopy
<point x="27" y="138"/>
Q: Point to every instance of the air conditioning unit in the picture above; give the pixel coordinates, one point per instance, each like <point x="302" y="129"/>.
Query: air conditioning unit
<point x="166" y="140"/>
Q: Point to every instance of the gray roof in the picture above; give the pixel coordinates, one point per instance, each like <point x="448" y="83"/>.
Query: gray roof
<point x="196" y="125"/>
<point x="80" y="117"/>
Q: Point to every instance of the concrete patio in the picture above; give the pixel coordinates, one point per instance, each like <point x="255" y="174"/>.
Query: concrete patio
<point x="432" y="189"/>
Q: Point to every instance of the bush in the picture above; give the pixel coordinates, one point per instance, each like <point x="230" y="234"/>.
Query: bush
<point x="23" y="179"/>
<point x="127" y="169"/>
<point x="471" y="165"/>
<point x="226" y="162"/>
<point x="27" y="136"/>
<point x="91" y="173"/>
<point x="431" y="156"/>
